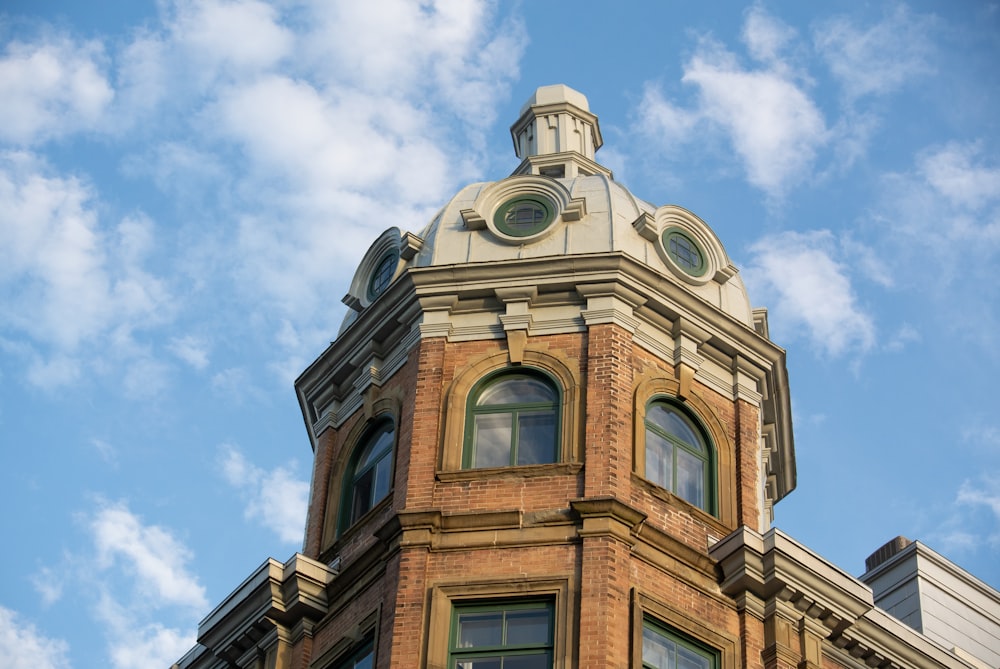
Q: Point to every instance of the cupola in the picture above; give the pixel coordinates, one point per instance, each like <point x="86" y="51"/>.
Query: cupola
<point x="556" y="135"/>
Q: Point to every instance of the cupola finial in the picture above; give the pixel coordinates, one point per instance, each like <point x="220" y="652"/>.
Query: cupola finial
<point x="557" y="135"/>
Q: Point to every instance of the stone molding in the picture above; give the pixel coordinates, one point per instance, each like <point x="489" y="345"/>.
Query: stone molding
<point x="806" y="598"/>
<point x="263" y="611"/>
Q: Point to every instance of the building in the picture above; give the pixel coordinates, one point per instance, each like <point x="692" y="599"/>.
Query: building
<point x="937" y="598"/>
<point x="550" y="433"/>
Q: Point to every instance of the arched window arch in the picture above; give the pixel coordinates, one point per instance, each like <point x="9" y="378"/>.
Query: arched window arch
<point x="512" y="418"/>
<point x="368" y="477"/>
<point x="679" y="455"/>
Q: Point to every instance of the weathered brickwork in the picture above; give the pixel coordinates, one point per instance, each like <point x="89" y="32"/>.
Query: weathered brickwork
<point x="543" y="539"/>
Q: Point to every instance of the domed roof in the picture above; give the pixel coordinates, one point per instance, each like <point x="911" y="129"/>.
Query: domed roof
<point x="559" y="202"/>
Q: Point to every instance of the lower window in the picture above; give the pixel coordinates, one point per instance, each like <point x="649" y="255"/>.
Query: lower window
<point x="362" y="658"/>
<point x="506" y="635"/>
<point x="663" y="648"/>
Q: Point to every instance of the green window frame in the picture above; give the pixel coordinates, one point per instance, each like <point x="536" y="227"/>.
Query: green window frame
<point x="362" y="658"/>
<point x="382" y="275"/>
<point x="679" y="455"/>
<point x="502" y="635"/>
<point x="524" y="216"/>
<point x="512" y="419"/>
<point x="666" y="648"/>
<point x="368" y="478"/>
<point x="684" y="251"/>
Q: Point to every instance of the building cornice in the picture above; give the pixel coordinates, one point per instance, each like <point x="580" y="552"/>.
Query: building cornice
<point x="796" y="583"/>
<point x="474" y="301"/>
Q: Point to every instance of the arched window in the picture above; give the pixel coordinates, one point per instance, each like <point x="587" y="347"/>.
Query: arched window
<point x="369" y="474"/>
<point x="512" y="419"/>
<point x="678" y="455"/>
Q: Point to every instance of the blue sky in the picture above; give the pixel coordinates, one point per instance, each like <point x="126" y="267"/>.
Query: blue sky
<point x="186" y="188"/>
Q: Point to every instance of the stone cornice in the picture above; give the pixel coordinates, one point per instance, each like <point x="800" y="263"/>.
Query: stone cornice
<point x="550" y="295"/>
<point x="788" y="577"/>
<point x="275" y="594"/>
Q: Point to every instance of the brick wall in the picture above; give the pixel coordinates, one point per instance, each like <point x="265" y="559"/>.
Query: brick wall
<point x="603" y="568"/>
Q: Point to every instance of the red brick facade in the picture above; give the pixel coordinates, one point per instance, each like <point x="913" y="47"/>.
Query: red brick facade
<point x="613" y="539"/>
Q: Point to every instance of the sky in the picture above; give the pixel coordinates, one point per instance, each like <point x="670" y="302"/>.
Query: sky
<point x="187" y="187"/>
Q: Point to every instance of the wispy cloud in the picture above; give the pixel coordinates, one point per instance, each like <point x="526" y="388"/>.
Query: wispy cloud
<point x="810" y="290"/>
<point x="937" y="228"/>
<point x="136" y="576"/>
<point x="974" y="524"/>
<point x="150" y="554"/>
<point x="762" y="105"/>
<point x="134" y="644"/>
<point x="192" y="350"/>
<point x="274" y="498"/>
<point x="22" y="646"/>
<point x="880" y="58"/>
<point x="67" y="280"/>
<point x="764" y="110"/>
<point x="328" y="106"/>
<point x="157" y="581"/>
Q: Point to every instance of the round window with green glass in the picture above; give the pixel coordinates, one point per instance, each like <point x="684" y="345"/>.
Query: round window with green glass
<point x="684" y="251"/>
<point x="524" y="216"/>
<point x="382" y="276"/>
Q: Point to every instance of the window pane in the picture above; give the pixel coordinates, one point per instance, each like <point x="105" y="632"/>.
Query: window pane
<point x="657" y="650"/>
<point x="659" y="460"/>
<point x="492" y="439"/>
<point x="482" y="663"/>
<point x="670" y="422"/>
<point x="527" y="627"/>
<point x="689" y="659"/>
<point x="539" y="661"/>
<point x="690" y="478"/>
<point x="684" y="252"/>
<point x="536" y="438"/>
<point x="480" y="629"/>
<point x="362" y="495"/>
<point x="382" y="470"/>
<point x="517" y="390"/>
<point x="375" y="448"/>
<point x="365" y="662"/>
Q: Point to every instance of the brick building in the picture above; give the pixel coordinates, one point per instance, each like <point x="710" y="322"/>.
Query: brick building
<point x="550" y="433"/>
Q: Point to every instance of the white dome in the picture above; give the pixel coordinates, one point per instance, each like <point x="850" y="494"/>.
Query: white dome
<point x="559" y="202"/>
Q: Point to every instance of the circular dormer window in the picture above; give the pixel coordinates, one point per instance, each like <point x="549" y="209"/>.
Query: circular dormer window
<point x="684" y="252"/>
<point x="382" y="275"/>
<point x="524" y="216"/>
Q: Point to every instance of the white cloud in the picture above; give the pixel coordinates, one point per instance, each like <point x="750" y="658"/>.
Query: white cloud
<point x="244" y="34"/>
<point x="49" y="585"/>
<point x="136" y="645"/>
<point x="984" y="493"/>
<point x="765" y="113"/>
<point x="772" y="123"/>
<point x="64" y="280"/>
<point x="276" y="499"/>
<point x="797" y="275"/>
<point x="878" y="59"/>
<point x="766" y="36"/>
<point x="974" y="524"/>
<point x="982" y="434"/>
<point x="903" y="337"/>
<point x="937" y="230"/>
<point x="149" y="553"/>
<point x="192" y="350"/>
<point x="22" y="646"/>
<point x="51" y="88"/>
<point x="957" y="172"/>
